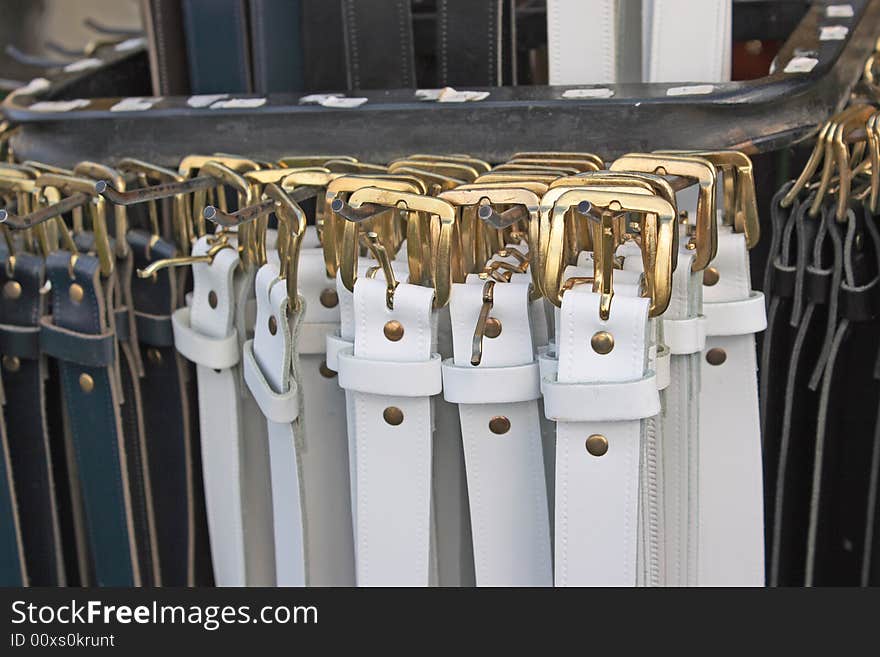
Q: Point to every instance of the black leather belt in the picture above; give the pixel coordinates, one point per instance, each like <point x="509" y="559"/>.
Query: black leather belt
<point x="323" y="44"/>
<point x="22" y="304"/>
<point x="818" y="252"/>
<point x="379" y="44"/>
<point x="839" y="540"/>
<point x="469" y="42"/>
<point x="169" y="72"/>
<point x="779" y="284"/>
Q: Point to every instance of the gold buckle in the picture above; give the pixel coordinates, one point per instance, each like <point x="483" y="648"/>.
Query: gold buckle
<point x="692" y="169"/>
<point x="604" y="206"/>
<point x="440" y="236"/>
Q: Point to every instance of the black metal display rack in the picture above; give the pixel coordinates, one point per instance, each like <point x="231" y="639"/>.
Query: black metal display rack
<point x="813" y="77"/>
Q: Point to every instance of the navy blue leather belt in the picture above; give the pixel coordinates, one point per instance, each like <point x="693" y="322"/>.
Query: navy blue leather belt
<point x="166" y="413"/>
<point x="77" y="335"/>
<point x="25" y="376"/>
<point x="12" y="566"/>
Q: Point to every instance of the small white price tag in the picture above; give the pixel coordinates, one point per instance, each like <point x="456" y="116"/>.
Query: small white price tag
<point x="428" y="94"/>
<point x="239" y="103"/>
<point x="450" y="95"/>
<point x="800" y="65"/>
<point x="134" y="104"/>
<point x="691" y="90"/>
<point x="601" y="92"/>
<point x="833" y="32"/>
<point x="342" y="103"/>
<point x="318" y="98"/>
<point x="82" y="65"/>
<point x="33" y="87"/>
<point x="204" y="100"/>
<point x="130" y="44"/>
<point x="839" y="11"/>
<point x="59" y="105"/>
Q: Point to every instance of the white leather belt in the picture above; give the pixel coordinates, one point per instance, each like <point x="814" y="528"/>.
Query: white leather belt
<point x="234" y="474"/>
<point x="686" y="41"/>
<point x="342" y="340"/>
<point x="731" y="525"/>
<point x="393" y="433"/>
<point x="325" y="480"/>
<point x="684" y="334"/>
<point x="574" y="59"/>
<point x="269" y="373"/>
<point x="597" y="457"/>
<point x="498" y="409"/>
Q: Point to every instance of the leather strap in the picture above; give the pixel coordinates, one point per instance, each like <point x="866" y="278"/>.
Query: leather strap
<point x="731" y="550"/>
<point x="323" y="45"/>
<point x="497" y="400"/>
<point x="208" y="334"/>
<point x="164" y="25"/>
<point x="13" y="571"/>
<point x="276" y="49"/>
<point x="368" y="22"/>
<point x="218" y="48"/>
<point x="599" y="491"/>
<point x="684" y="331"/>
<point x="813" y="325"/>
<point x="469" y="43"/>
<point x="843" y="508"/>
<point x="92" y="398"/>
<point x="270" y="376"/>
<point x="589" y="42"/>
<point x="686" y="41"/>
<point x="393" y="436"/>
<point x="779" y="285"/>
<point x="30" y="454"/>
<point x="166" y="413"/>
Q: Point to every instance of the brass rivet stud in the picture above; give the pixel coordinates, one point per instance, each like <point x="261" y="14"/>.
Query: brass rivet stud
<point x="154" y="355"/>
<point x="76" y="292"/>
<point x="273" y="325"/>
<point x="710" y="276"/>
<point x="393" y="330"/>
<point x="329" y="298"/>
<point x="597" y="444"/>
<point x="393" y="415"/>
<point x="602" y="342"/>
<point x="86" y="382"/>
<point x="11" y="363"/>
<point x="493" y="328"/>
<point x="12" y="290"/>
<point x="691" y="245"/>
<point x="325" y="371"/>
<point x="212" y="299"/>
<point x="716" y="356"/>
<point x="499" y="425"/>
